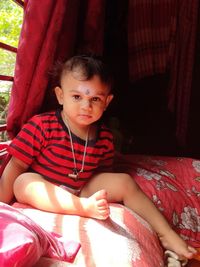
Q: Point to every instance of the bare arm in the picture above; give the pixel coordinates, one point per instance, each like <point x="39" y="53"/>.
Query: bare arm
<point x="14" y="168"/>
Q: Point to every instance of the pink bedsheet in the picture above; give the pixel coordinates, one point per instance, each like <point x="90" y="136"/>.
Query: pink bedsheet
<point x="122" y="240"/>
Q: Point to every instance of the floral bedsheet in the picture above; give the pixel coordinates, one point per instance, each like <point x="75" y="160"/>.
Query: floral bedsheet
<point x="173" y="184"/>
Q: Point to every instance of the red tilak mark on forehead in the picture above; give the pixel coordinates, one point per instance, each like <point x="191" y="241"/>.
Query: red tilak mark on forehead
<point x="87" y="92"/>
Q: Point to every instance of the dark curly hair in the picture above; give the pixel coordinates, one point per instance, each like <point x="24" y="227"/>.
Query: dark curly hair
<point x="83" y="68"/>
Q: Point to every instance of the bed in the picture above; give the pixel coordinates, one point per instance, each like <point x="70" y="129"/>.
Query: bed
<point x="124" y="239"/>
<point x="31" y="237"/>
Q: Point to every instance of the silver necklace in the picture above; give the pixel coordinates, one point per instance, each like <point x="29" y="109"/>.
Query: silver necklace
<point x="75" y="173"/>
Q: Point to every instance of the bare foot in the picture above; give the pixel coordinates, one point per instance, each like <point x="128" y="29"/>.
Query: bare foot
<point x="96" y="206"/>
<point x="174" y="242"/>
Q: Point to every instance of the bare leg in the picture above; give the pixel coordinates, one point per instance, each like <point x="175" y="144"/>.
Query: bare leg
<point x="122" y="188"/>
<point x="32" y="189"/>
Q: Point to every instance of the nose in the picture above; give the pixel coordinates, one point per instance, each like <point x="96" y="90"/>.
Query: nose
<point x="86" y="104"/>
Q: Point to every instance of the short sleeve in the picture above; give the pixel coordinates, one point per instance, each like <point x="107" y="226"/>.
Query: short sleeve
<point x="27" y="144"/>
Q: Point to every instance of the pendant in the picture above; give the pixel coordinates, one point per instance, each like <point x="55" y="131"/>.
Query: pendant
<point x="74" y="175"/>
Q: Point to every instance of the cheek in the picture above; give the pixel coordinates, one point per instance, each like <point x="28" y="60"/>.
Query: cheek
<point x="69" y="107"/>
<point x="68" y="102"/>
<point x="99" y="110"/>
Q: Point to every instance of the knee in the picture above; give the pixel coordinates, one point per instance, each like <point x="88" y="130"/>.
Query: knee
<point x="128" y="183"/>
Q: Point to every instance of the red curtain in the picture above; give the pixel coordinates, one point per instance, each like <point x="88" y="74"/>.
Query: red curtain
<point x="150" y="36"/>
<point x="161" y="39"/>
<point x="54" y="30"/>
<point x="51" y="30"/>
<point x="182" y="63"/>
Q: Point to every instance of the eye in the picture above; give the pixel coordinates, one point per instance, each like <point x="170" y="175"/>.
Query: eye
<point x="96" y="99"/>
<point x="76" y="97"/>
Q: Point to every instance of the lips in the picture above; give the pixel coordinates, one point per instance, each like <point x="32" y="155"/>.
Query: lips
<point x="86" y="116"/>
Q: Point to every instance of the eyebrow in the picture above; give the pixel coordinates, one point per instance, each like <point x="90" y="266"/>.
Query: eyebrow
<point x="78" y="92"/>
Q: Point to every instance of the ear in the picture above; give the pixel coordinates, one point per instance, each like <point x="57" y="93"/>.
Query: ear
<point x="59" y="94"/>
<point x="108" y="100"/>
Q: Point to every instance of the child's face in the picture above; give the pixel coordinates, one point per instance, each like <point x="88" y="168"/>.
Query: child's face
<point x="83" y="101"/>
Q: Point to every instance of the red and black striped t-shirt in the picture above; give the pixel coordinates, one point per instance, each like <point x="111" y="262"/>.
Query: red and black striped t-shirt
<point x="44" y="144"/>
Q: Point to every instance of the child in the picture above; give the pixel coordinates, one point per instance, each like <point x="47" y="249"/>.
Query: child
<point x="62" y="160"/>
